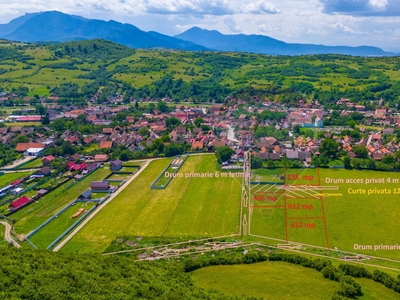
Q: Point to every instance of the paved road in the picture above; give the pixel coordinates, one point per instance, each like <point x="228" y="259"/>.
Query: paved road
<point x="231" y="134"/>
<point x="7" y="235"/>
<point x="79" y="227"/>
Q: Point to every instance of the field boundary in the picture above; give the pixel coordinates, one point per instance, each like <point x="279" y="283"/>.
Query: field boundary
<point x="97" y="201"/>
<point x="162" y="187"/>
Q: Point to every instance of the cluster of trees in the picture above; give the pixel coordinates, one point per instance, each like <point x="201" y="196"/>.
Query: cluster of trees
<point x="28" y="274"/>
<point x="223" y="154"/>
<point x="7" y="154"/>
<point x="264" y="131"/>
<point x="329" y="152"/>
<point x="257" y="162"/>
<point x="92" y="50"/>
<point x="80" y="124"/>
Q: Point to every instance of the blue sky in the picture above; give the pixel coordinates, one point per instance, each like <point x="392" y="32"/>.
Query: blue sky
<point x="329" y="22"/>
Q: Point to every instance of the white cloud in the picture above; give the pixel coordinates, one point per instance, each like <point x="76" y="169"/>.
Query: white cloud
<point x="261" y="7"/>
<point x="232" y="25"/>
<point x="380" y="4"/>
<point x="343" y="28"/>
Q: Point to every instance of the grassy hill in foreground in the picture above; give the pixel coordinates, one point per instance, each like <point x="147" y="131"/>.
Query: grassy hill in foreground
<point x="279" y="280"/>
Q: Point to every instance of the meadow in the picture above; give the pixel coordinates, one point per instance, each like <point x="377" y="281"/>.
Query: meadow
<point x="279" y="280"/>
<point x="35" y="163"/>
<point x="45" y="236"/>
<point x="351" y="216"/>
<point x="191" y="207"/>
<point x="8" y="178"/>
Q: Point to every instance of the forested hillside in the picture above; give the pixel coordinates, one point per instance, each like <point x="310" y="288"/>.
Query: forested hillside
<point x="27" y="274"/>
<point x="78" y="70"/>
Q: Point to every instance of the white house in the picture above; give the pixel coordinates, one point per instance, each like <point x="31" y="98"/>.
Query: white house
<point x="33" y="151"/>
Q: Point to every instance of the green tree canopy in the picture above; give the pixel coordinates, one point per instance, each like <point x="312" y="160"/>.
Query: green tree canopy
<point x="361" y="151"/>
<point x="329" y="148"/>
<point x="224" y="153"/>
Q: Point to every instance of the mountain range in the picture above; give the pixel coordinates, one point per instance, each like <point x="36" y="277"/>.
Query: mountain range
<point x="54" y="26"/>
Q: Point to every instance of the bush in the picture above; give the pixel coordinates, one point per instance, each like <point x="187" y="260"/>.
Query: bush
<point x="355" y="271"/>
<point x="330" y="272"/>
<point x="348" y="287"/>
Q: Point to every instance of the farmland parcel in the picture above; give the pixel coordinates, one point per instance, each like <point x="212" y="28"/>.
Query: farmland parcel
<point x="191" y="207"/>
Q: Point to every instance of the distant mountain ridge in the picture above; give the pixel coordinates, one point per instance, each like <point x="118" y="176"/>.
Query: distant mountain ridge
<point x="266" y="45"/>
<point x="54" y="26"/>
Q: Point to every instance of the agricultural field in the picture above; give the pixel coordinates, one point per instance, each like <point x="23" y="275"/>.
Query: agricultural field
<point x="119" y="176"/>
<point x="35" y="163"/>
<point x="188" y="207"/>
<point x="267" y="175"/>
<point x="23" y="124"/>
<point x="351" y="210"/>
<point x="45" y="236"/>
<point x="269" y="280"/>
<point x="8" y="178"/>
<point x="164" y="179"/>
<point x="30" y="217"/>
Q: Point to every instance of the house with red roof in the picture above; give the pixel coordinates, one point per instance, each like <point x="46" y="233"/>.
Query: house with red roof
<point x="46" y="161"/>
<point x="100" y="157"/>
<point x="197" y="145"/>
<point x="17" y="182"/>
<point x="106" y="144"/>
<point x="21" y="147"/>
<point x="76" y="167"/>
<point x="30" y="119"/>
<point x="19" y="203"/>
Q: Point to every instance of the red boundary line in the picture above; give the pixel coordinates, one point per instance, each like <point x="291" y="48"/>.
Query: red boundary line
<point x="272" y="193"/>
<point x="323" y="210"/>
<point x="305" y="184"/>
<point x="306" y="198"/>
<point x="284" y="197"/>
<point x="267" y="206"/>
<point x="305" y="218"/>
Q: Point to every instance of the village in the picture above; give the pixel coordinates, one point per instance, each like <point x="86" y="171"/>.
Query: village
<point x="54" y="143"/>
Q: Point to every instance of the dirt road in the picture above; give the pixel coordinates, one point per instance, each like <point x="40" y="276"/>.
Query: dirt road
<point x="7" y="235"/>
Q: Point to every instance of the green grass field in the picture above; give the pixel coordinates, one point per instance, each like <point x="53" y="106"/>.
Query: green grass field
<point x="23" y="124"/>
<point x="119" y="177"/>
<point x="349" y="214"/>
<point x="267" y="175"/>
<point x="279" y="280"/>
<point x="193" y="207"/>
<point x="33" y="215"/>
<point x="8" y="178"/>
<point x="34" y="163"/>
<point x="268" y="280"/>
<point x="164" y="179"/>
<point x="45" y="236"/>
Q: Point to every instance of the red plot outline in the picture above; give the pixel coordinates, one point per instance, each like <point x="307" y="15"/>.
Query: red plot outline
<point x="323" y="210"/>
